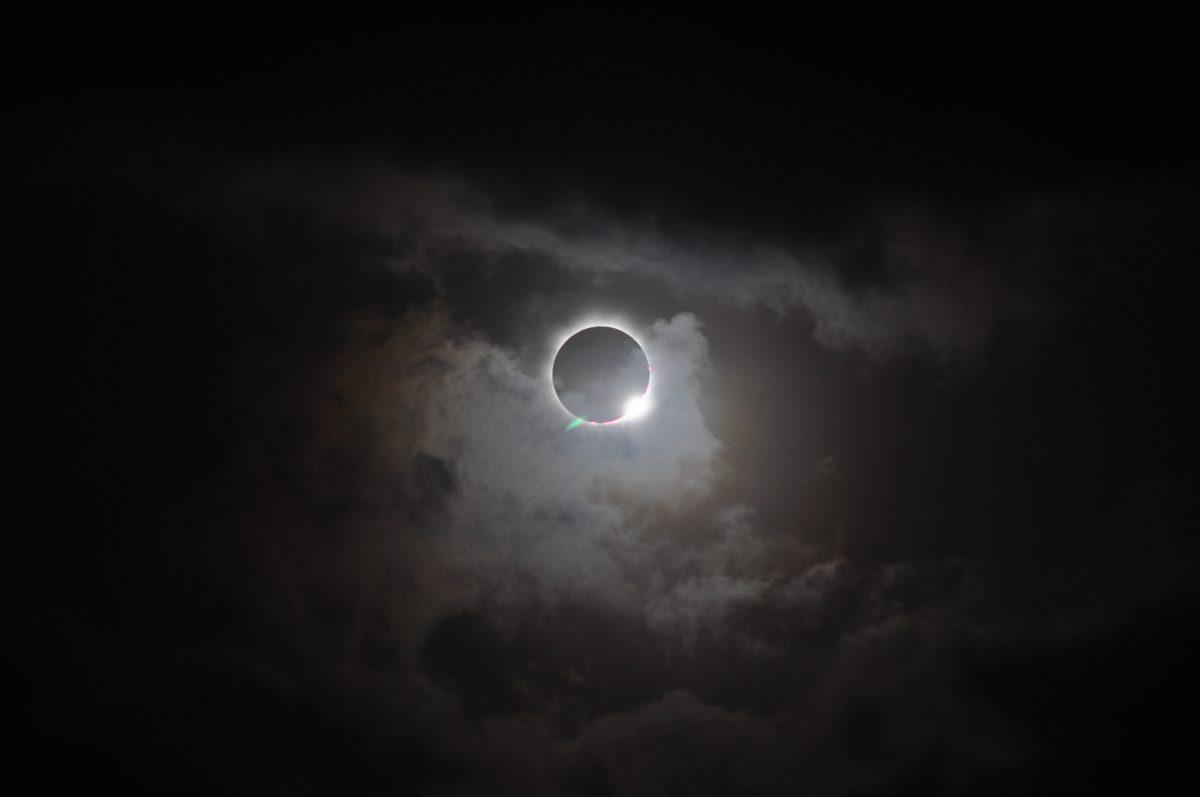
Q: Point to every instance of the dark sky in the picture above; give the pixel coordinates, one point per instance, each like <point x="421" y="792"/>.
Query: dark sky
<point x="912" y="512"/>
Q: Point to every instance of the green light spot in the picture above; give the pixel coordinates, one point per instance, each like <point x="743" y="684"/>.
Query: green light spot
<point x="574" y="423"/>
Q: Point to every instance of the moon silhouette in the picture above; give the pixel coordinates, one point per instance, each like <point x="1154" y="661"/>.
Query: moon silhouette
<point x="601" y="375"/>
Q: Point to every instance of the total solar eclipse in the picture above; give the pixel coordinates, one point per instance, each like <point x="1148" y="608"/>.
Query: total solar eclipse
<point x="601" y="375"/>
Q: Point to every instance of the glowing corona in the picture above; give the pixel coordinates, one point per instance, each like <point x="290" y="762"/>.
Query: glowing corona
<point x="635" y="408"/>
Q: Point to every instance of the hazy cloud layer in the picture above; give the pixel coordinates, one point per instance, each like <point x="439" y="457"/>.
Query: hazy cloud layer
<point x="492" y="555"/>
<point x="935" y="290"/>
<point x="400" y="568"/>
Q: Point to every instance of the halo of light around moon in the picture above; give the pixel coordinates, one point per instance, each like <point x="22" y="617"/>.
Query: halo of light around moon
<point x="601" y="375"/>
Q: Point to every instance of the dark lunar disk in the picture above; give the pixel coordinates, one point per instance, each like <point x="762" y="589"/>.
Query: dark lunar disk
<point x="598" y="371"/>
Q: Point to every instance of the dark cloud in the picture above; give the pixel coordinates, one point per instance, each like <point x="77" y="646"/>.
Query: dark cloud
<point x="934" y="285"/>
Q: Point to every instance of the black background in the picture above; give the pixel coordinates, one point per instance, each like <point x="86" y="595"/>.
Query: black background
<point x="160" y="342"/>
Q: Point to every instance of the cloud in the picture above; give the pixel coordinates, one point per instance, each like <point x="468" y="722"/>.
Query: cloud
<point x="552" y="614"/>
<point x="531" y="509"/>
<point x="935" y="288"/>
<point x="334" y="534"/>
<point x="678" y="744"/>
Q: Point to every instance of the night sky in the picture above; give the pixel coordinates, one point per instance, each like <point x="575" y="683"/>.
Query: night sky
<point x="913" y="509"/>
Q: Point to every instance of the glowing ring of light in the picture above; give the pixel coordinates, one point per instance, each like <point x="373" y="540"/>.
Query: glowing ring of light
<point x="636" y="407"/>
